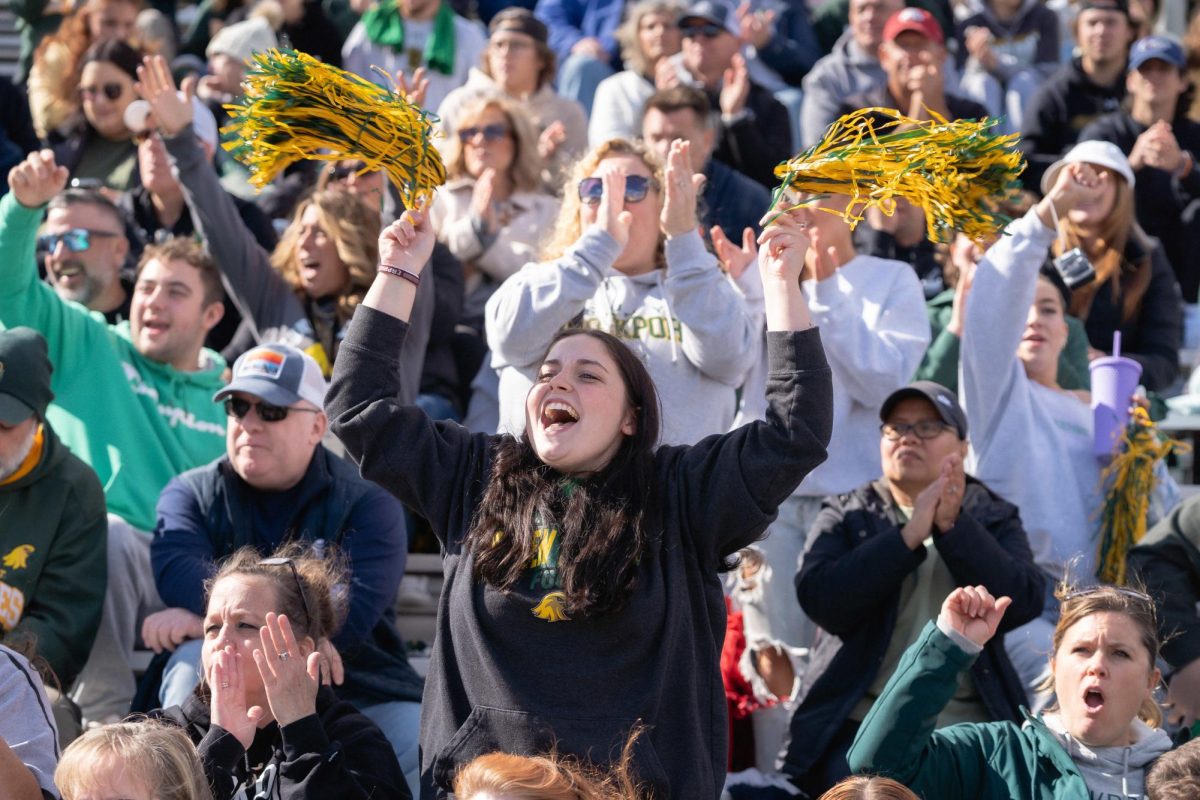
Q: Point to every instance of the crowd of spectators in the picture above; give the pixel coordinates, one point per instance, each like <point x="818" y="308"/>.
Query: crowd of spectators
<point x="228" y="415"/>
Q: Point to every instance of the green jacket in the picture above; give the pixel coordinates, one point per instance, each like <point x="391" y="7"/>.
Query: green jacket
<point x="940" y="363"/>
<point x="52" y="558"/>
<point x="988" y="761"/>
<point x="136" y="422"/>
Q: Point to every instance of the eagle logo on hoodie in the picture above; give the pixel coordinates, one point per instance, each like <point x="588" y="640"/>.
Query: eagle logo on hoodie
<point x="18" y="557"/>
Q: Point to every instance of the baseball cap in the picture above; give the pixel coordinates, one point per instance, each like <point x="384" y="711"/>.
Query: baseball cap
<point x="278" y="374"/>
<point x="1160" y="47"/>
<point x="917" y="20"/>
<point x="24" y="375"/>
<point x="1092" y="151"/>
<point x="942" y="398"/>
<point x="715" y="12"/>
<point x="204" y="124"/>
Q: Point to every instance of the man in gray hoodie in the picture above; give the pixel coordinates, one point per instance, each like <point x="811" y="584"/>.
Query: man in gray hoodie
<point x="852" y="68"/>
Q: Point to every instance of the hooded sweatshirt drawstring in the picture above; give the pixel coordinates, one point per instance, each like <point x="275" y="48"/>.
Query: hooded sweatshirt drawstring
<point x="1125" y="773"/>
<point x="658" y="273"/>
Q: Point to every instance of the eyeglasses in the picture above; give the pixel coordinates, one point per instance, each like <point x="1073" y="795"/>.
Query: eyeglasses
<point x="341" y="172"/>
<point x="925" y="429"/>
<point x="76" y="239"/>
<point x="491" y="133"/>
<point x="280" y="562"/>
<point x="708" y="31"/>
<point x="636" y="188"/>
<point x="112" y="91"/>
<point x="239" y="407"/>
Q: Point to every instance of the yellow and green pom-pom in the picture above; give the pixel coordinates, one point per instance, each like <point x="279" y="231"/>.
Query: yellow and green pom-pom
<point x="297" y="108"/>
<point x="958" y="172"/>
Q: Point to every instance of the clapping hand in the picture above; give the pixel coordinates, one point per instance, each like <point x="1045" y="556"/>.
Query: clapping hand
<point x="679" y="206"/>
<point x="735" y="90"/>
<point x="290" y="679"/>
<point x="954" y="485"/>
<point x="550" y="139"/>
<point x="733" y="258"/>
<point x="229" y="710"/>
<point x="482" y="194"/>
<point x="416" y="91"/>
<point x="1157" y="147"/>
<point x="611" y="215"/>
<point x="156" y="86"/>
<point x="973" y="612"/>
<point x="37" y="179"/>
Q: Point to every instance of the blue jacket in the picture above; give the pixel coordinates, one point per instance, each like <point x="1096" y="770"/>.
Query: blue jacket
<point x="207" y="513"/>
<point x="572" y="20"/>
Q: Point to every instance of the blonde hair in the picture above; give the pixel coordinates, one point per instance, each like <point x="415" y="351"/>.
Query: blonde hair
<point x="869" y="787"/>
<point x="354" y="229"/>
<point x="526" y="168"/>
<point x="159" y="755"/>
<point x="627" y="34"/>
<point x="567" y="228"/>
<point x="1075" y="605"/>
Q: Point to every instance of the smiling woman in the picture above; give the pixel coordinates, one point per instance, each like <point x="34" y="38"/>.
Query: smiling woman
<point x="581" y="562"/>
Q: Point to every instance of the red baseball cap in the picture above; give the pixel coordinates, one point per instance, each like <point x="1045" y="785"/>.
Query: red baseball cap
<point x="917" y="20"/>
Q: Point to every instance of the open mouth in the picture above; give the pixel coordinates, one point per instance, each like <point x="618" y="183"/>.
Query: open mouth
<point x="558" y="416"/>
<point x="154" y="326"/>
<point x="1093" y="699"/>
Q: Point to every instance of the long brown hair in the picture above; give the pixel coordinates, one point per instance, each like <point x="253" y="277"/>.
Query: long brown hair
<point x="600" y="519"/>
<point x="526" y="168"/>
<point x="74" y="36"/>
<point x="354" y="229"/>
<point x="1126" y="281"/>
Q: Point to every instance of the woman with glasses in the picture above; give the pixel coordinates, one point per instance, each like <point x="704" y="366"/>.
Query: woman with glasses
<point x="1034" y="442"/>
<point x="905" y="541"/>
<point x="656" y="288"/>
<point x="262" y="717"/>
<point x="102" y="147"/>
<point x="580" y="559"/>
<point x="1098" y="740"/>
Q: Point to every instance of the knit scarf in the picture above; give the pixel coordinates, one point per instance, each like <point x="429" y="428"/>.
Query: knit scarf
<point x="31" y="459"/>
<point x="385" y="27"/>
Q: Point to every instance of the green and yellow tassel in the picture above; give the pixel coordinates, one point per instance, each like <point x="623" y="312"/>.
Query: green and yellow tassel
<point x="296" y="108"/>
<point x="1129" y="481"/>
<point x="958" y="172"/>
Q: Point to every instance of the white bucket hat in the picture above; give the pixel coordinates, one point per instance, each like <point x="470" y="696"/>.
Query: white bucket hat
<point x="1102" y="154"/>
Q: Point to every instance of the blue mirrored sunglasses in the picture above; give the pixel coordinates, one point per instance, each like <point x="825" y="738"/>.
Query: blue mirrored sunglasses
<point x="636" y="188"/>
<point x="76" y="239"/>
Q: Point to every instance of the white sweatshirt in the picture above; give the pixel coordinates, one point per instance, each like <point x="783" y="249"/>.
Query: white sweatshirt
<point x="1030" y="444"/>
<point x="691" y="325"/>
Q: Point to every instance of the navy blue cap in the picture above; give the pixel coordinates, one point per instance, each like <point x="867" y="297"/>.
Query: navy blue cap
<point x="1159" y="47"/>
<point x="944" y="402"/>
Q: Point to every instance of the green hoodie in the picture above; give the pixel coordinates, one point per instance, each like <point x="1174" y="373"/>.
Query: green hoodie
<point x="136" y="422"/>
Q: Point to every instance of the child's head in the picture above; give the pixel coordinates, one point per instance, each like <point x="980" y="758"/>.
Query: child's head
<point x="1176" y="775"/>
<point x="146" y="760"/>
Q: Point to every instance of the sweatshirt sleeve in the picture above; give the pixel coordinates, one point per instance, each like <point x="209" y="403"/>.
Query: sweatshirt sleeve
<point x="376" y="544"/>
<point x="529" y="308"/>
<point x="432" y="467"/>
<point x="876" y="344"/>
<point x="181" y="553"/>
<point x="26" y="720"/>
<point x="261" y="294"/>
<point x="64" y="611"/>
<point x="758" y="465"/>
<point x="1003" y="290"/>
<point x="349" y="760"/>
<point x="897" y="739"/>
<point x="721" y="336"/>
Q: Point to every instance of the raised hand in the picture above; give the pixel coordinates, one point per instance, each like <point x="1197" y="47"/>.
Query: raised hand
<point x="666" y="76"/>
<point x="954" y="484"/>
<point x="290" y="679"/>
<point x="679" y="205"/>
<point x="733" y="258"/>
<point x="1074" y="184"/>
<point x="920" y="524"/>
<point x="757" y="27"/>
<point x="171" y="627"/>
<point x="964" y="257"/>
<point x="37" y="179"/>
<point x="735" y="89"/>
<point x="416" y="91"/>
<point x="550" y="139"/>
<point x="156" y="86"/>
<point x="481" y="199"/>
<point x="973" y="612"/>
<point x="408" y="242"/>
<point x="332" y="670"/>
<point x="783" y="246"/>
<point x="227" y="683"/>
<point x="611" y="214"/>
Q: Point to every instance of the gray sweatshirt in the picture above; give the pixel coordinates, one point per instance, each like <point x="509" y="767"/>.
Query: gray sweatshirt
<point x="848" y="70"/>
<point x="692" y="326"/>
<point x="26" y="721"/>
<point x="1113" y="773"/>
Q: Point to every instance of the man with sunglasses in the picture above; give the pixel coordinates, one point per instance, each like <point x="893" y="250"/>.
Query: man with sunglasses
<point x="131" y="400"/>
<point x="754" y="132"/>
<point x="84" y="250"/>
<point x="880" y="561"/>
<point x="276" y="483"/>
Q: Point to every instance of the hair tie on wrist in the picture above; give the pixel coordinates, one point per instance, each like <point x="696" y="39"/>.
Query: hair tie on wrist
<point x="400" y="272"/>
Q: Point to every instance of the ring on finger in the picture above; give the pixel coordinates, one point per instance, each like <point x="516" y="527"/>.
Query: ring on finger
<point x="285" y="655"/>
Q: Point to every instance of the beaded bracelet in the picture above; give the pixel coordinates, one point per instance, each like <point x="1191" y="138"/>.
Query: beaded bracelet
<point x="399" y="272"/>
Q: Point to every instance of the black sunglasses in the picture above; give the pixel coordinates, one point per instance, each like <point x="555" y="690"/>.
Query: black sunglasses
<point x="708" y="31"/>
<point x="491" y="133"/>
<point x="280" y="562"/>
<point x="76" y="239"/>
<point x="636" y="188"/>
<point x="239" y="407"/>
<point x="112" y="91"/>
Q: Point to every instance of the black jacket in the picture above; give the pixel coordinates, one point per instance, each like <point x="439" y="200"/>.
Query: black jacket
<point x="335" y="754"/>
<point x="849" y="584"/>
<point x="1162" y="201"/>
<point x="756" y="140"/>
<point x="1168" y="561"/>
<point x="503" y="675"/>
<point x="1062" y="107"/>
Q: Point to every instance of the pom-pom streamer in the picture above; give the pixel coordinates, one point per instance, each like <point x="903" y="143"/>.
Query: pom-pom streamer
<point x="297" y="108"/>
<point x="958" y="172"/>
